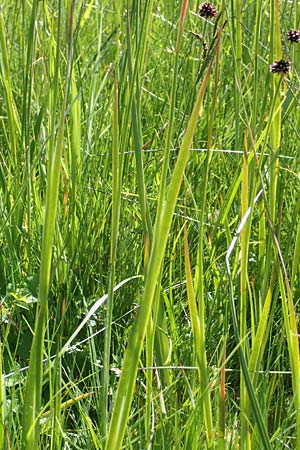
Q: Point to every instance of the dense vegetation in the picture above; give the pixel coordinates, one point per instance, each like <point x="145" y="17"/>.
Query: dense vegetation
<point x="149" y="224"/>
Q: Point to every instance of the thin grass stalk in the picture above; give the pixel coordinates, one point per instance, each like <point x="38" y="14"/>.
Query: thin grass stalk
<point x="145" y="26"/>
<point x="75" y="157"/>
<point x="149" y="405"/>
<point x="156" y="334"/>
<point x="237" y="42"/>
<point x="257" y="413"/>
<point x="150" y="334"/>
<point x="261" y="335"/>
<point x="262" y="251"/>
<point x="12" y="133"/>
<point x="261" y="143"/>
<point x="257" y="33"/>
<point x="166" y="165"/>
<point x="159" y="310"/>
<point x="296" y="256"/>
<point x="160" y="324"/>
<point x="93" y="94"/>
<point x="55" y="382"/>
<point x="291" y="329"/>
<point x="2" y="403"/>
<point x="171" y="118"/>
<point x="261" y="326"/>
<point x="54" y="73"/>
<point x="292" y="335"/>
<point x="222" y="391"/>
<point x="265" y="251"/>
<point x="26" y="115"/>
<point x="244" y="239"/>
<point x="265" y="247"/>
<point x="252" y="171"/>
<point x="263" y="434"/>
<point x="137" y="142"/>
<point x="296" y="24"/>
<point x="198" y="328"/>
<point x="14" y="125"/>
<point x="296" y="14"/>
<point x="155" y="346"/>
<point x="33" y="390"/>
<point x="115" y="221"/>
<point x="238" y="92"/>
<point x="222" y="402"/>
<point x="117" y="161"/>
<point x="162" y="227"/>
<point x="265" y="318"/>
<point x="162" y="345"/>
<point x="200" y="270"/>
<point x="137" y="132"/>
<point x="275" y="131"/>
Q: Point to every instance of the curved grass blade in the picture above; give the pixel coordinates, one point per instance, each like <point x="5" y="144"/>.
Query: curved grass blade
<point x="33" y="392"/>
<point x="162" y="226"/>
<point x="198" y="329"/>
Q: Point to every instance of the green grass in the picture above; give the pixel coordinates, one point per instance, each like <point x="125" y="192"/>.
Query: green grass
<point x="149" y="232"/>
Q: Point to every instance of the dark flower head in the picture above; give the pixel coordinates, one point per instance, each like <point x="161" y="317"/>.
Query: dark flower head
<point x="207" y="10"/>
<point x="293" y="36"/>
<point x="282" y="66"/>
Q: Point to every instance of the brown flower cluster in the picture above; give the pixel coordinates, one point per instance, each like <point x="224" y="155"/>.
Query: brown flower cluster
<point x="294" y="36"/>
<point x="283" y="66"/>
<point x="207" y="10"/>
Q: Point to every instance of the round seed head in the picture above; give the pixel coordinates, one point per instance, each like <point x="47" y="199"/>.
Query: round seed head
<point x="282" y="66"/>
<point x="207" y="10"/>
<point x="293" y="36"/>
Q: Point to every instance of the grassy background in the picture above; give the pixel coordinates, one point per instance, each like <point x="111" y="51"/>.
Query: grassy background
<point x="99" y="100"/>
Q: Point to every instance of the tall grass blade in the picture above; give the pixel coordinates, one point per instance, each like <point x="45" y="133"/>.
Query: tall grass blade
<point x="237" y="41"/>
<point x="14" y="125"/>
<point x="2" y="404"/>
<point x="291" y="329"/>
<point x="275" y="132"/>
<point x="244" y="366"/>
<point x="162" y="226"/>
<point x="244" y="238"/>
<point x="222" y="404"/>
<point x="292" y="335"/>
<point x="198" y="329"/>
<point x="137" y="130"/>
<point x="116" y="206"/>
<point x="32" y="400"/>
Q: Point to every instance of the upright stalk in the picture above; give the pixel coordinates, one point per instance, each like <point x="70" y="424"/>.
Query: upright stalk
<point x="162" y="227"/>
<point x="275" y="131"/>
<point x="2" y="403"/>
<point x="244" y="238"/>
<point x="237" y="42"/>
<point x="33" y="392"/>
<point x="116" y="206"/>
<point x="117" y="160"/>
